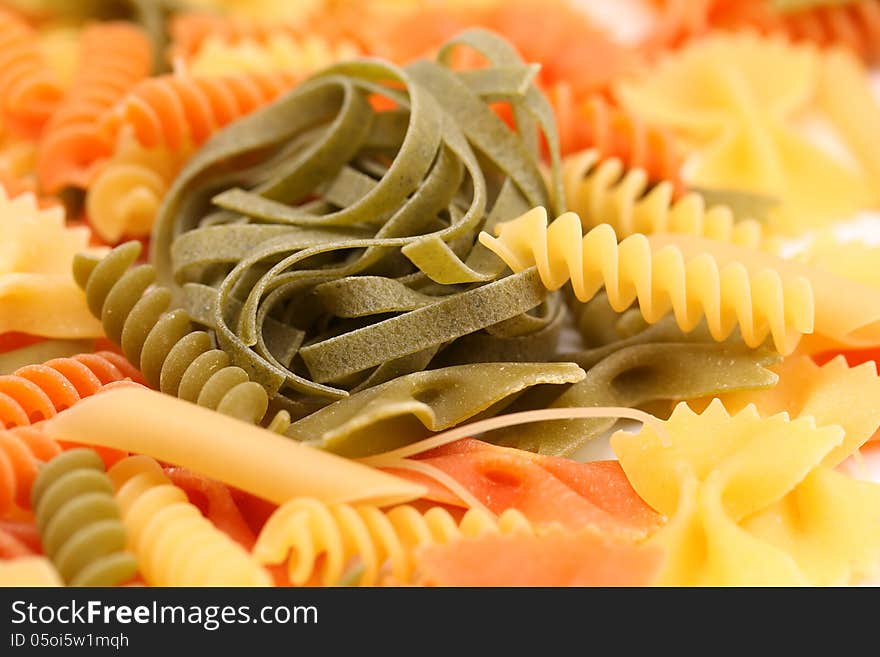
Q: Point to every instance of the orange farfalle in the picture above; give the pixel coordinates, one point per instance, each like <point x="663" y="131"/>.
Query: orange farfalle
<point x="557" y="558"/>
<point x="115" y="56"/>
<point x="545" y="489"/>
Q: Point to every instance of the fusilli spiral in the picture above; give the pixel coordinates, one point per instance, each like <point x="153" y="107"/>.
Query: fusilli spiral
<point x="79" y="520"/>
<point x="311" y="529"/>
<point x="613" y="132"/>
<point x="40" y="391"/>
<point x="28" y="86"/>
<point x="299" y="56"/>
<point x="171" y="355"/>
<point x="760" y="302"/>
<point x="21" y="452"/>
<point x="604" y="191"/>
<point x="125" y="195"/>
<point x="178" y="110"/>
<point x="115" y="56"/>
<point x="175" y="544"/>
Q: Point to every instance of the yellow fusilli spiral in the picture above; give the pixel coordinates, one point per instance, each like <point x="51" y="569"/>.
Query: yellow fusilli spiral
<point x="603" y="192"/>
<point x="162" y="343"/>
<point x="761" y="302"/>
<point x="324" y="539"/>
<point x="174" y="543"/>
<point x="79" y="522"/>
<point x="124" y="197"/>
<point x="300" y="56"/>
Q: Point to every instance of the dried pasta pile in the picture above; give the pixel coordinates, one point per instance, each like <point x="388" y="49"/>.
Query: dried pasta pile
<point x="328" y="293"/>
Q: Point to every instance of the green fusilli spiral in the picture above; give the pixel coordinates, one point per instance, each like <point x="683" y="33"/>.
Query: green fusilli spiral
<point x="172" y="355"/>
<point x="79" y="521"/>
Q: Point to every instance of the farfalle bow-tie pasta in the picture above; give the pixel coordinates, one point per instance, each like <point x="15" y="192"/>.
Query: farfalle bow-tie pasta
<point x="439" y="293"/>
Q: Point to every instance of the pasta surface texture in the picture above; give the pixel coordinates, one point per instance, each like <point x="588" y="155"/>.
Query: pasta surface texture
<point x="309" y="529"/>
<point x="79" y="521"/>
<point x="174" y="543"/>
<point x="35" y="257"/>
<point x="114" y="57"/>
<point x="737" y="506"/>
<point x="761" y="301"/>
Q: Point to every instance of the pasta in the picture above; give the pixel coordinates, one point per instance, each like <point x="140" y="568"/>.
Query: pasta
<point x="575" y="558"/>
<point x="298" y="56"/>
<point x="320" y="237"/>
<point x="759" y="300"/>
<point x="633" y="376"/>
<point x="124" y="197"/>
<point x="21" y="452"/>
<point x="189" y="30"/>
<point x="310" y="529"/>
<point x="388" y="180"/>
<point x="832" y="394"/>
<point x="603" y="192"/>
<point x="247" y="457"/>
<point x="846" y="312"/>
<point x="595" y="123"/>
<point x="853" y="25"/>
<point x="28" y="571"/>
<point x="79" y="521"/>
<point x="741" y="124"/>
<point x="401" y="411"/>
<point x="28" y="86"/>
<point x="35" y="258"/>
<point x="115" y="56"/>
<point x="172" y="355"/>
<point x="174" y="544"/>
<point x="42" y="390"/>
<point x="731" y="506"/>
<point x="178" y="111"/>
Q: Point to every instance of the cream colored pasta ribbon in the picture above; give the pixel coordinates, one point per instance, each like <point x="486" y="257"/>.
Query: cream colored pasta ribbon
<point x="29" y="571"/>
<point x="250" y="458"/>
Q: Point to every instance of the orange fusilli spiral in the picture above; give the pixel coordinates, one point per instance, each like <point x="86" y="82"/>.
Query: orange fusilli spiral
<point x="596" y="123"/>
<point x="176" y="110"/>
<point x="855" y="25"/>
<point x="29" y="89"/>
<point x="40" y="391"/>
<point x="115" y="56"/>
<point x="22" y="450"/>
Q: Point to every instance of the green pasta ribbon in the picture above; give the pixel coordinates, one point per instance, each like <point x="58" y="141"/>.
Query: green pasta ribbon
<point x="642" y="365"/>
<point x="329" y="240"/>
<point x="408" y="408"/>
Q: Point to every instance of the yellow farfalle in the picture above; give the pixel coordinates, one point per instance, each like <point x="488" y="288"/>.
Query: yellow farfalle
<point x="661" y="278"/>
<point x="37" y="292"/>
<point x="280" y="52"/>
<point x="736" y="100"/>
<point x="750" y="501"/>
<point x="833" y="394"/>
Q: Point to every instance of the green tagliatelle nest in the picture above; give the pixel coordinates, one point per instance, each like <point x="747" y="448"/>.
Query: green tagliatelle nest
<point x="329" y="243"/>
